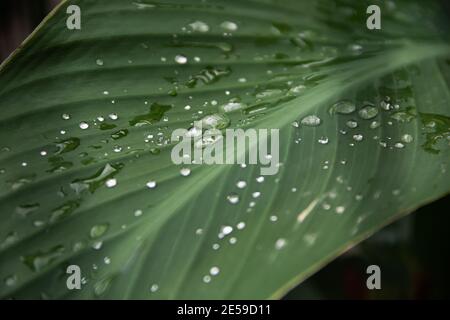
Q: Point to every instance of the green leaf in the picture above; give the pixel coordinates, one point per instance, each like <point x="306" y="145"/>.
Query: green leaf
<point x="86" y="124"/>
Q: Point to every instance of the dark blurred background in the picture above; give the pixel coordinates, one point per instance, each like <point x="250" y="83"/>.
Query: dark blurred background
<point x="413" y="253"/>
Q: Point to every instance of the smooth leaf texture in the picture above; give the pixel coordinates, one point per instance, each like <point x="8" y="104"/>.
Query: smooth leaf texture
<point x="123" y="77"/>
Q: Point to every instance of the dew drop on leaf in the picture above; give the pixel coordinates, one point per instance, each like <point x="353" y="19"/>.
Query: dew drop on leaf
<point x="98" y="230"/>
<point x="368" y="112"/>
<point x="311" y="121"/>
<point x="342" y="107"/>
<point x="233" y="198"/>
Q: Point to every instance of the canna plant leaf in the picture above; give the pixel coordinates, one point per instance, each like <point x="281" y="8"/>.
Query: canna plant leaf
<point x="87" y="116"/>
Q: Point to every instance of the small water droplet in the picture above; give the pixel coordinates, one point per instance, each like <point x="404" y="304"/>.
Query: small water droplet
<point x="352" y="124"/>
<point x="185" y="172"/>
<point x="66" y="116"/>
<point x="368" y="112"/>
<point x="151" y="184"/>
<point x="256" y="194"/>
<point x="407" y="138"/>
<point x="113" y="116"/>
<point x="241" y="184"/>
<point x="98" y="230"/>
<point x="11" y="280"/>
<point x="358" y="137"/>
<point x="343" y="107"/>
<point x="240" y="225"/>
<point x="214" y="271"/>
<point x="215" y="121"/>
<point x="229" y="26"/>
<point x="280" y="244"/>
<point x="99" y="62"/>
<point x="311" y="121"/>
<point x="181" y="59"/>
<point x="340" y="209"/>
<point x="199" y="26"/>
<point x="154" y="288"/>
<point x="233" y="198"/>
<point x="110" y="183"/>
<point x="374" y="124"/>
<point x="232" y="106"/>
<point x="323" y="140"/>
<point x="226" y="230"/>
<point x="84" y="125"/>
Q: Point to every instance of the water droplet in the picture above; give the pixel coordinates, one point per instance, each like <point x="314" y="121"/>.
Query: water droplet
<point x="273" y="218"/>
<point x="233" y="198"/>
<point x="98" y="230"/>
<point x="110" y="183"/>
<point x="352" y="124"/>
<point x="340" y="209"/>
<point x="26" y="209"/>
<point x="229" y="26"/>
<point x="280" y="244"/>
<point x="207" y="279"/>
<point x="66" y="116"/>
<point x="407" y="138"/>
<point x="181" y="59"/>
<point x="151" y="184"/>
<point x="232" y="106"/>
<point x="240" y="225"/>
<point x="42" y="259"/>
<point x="260" y="179"/>
<point x="107" y="260"/>
<point x="215" y="121"/>
<point x="84" y="125"/>
<point x="226" y="230"/>
<point x="138" y="213"/>
<point x="11" y="280"/>
<point x="241" y="184"/>
<point x="399" y="145"/>
<point x="358" y="137"/>
<point x="214" y="271"/>
<point x="374" y="124"/>
<point x="99" y="62"/>
<point x="368" y="112"/>
<point x="343" y="107"/>
<point x="154" y="288"/>
<point x="185" y="172"/>
<point x="311" y="121"/>
<point x="102" y="286"/>
<point x="323" y="140"/>
<point x="199" y="26"/>
<point x="113" y="116"/>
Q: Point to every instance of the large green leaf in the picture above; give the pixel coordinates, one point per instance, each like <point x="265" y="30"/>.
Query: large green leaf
<point x="282" y="61"/>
